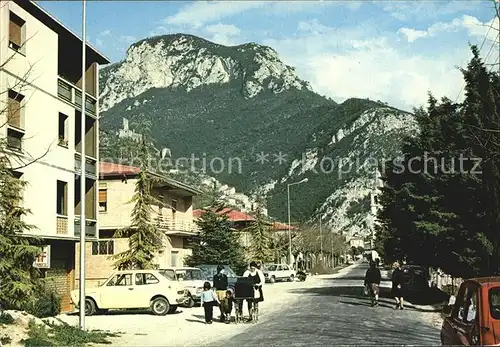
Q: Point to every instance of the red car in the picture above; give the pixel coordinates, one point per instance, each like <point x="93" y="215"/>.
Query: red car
<point x="474" y="317"/>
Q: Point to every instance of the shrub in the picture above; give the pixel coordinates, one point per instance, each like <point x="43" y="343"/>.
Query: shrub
<point x="46" y="304"/>
<point x="6" y="318"/>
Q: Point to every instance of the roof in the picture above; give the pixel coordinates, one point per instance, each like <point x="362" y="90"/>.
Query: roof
<point x="113" y="171"/>
<point x="53" y="23"/>
<point x="232" y="215"/>
<point x="238" y="216"/>
<point x="485" y="280"/>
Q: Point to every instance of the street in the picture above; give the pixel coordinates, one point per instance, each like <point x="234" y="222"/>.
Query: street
<point x="336" y="312"/>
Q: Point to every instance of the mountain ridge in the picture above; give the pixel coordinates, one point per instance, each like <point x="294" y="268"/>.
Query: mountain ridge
<point x="210" y="110"/>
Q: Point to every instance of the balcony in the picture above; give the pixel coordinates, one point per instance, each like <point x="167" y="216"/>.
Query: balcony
<point x="72" y="94"/>
<point x="90" y="228"/>
<point x="90" y="166"/>
<point x="176" y="226"/>
<point x="61" y="225"/>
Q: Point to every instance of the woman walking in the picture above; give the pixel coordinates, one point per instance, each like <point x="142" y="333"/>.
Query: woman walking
<point x="258" y="279"/>
<point x="372" y="282"/>
<point x="397" y="285"/>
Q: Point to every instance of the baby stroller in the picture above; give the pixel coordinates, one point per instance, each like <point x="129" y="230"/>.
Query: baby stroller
<point x="244" y="289"/>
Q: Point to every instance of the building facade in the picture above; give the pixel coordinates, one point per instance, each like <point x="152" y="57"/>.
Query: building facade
<point x="173" y="215"/>
<point x="40" y="104"/>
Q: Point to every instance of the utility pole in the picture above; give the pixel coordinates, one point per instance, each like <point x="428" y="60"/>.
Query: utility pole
<point x="83" y="179"/>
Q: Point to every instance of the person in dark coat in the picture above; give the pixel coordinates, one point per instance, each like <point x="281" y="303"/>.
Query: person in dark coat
<point x="372" y="282"/>
<point x="220" y="285"/>
<point x="397" y="285"/>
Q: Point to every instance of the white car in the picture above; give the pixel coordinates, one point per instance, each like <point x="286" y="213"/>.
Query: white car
<point x="134" y="289"/>
<point x="279" y="272"/>
<point x="192" y="280"/>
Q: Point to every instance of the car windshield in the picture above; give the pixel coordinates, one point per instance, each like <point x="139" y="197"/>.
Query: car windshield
<point x="169" y="274"/>
<point x="494" y="299"/>
<point x="271" y="268"/>
<point x="190" y="275"/>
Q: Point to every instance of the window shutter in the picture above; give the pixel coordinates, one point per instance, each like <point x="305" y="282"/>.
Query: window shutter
<point x="14" y="111"/>
<point x="103" y="195"/>
<point x="15" y="32"/>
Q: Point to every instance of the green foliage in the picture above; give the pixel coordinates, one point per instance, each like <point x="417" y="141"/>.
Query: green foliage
<point x="260" y="232"/>
<point x="144" y="238"/>
<point x="64" y="335"/>
<point x="47" y="303"/>
<point x="216" y="243"/>
<point x="18" y="278"/>
<point x="6" y="318"/>
<point x="424" y="218"/>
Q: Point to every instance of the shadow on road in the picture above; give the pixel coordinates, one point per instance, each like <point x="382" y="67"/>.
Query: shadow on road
<point x="432" y="297"/>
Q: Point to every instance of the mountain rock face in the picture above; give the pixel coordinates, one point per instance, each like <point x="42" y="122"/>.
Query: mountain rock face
<point x="187" y="61"/>
<point x="242" y="116"/>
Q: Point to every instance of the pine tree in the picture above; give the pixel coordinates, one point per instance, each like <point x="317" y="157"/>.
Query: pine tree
<point x="216" y="242"/>
<point x="19" y="280"/>
<point x="261" y="239"/>
<point x="144" y="238"/>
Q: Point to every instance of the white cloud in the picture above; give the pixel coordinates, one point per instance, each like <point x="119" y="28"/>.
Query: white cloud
<point x="422" y="10"/>
<point x="412" y="34"/>
<point x="343" y="63"/>
<point x="127" y="39"/>
<point x="105" y="33"/>
<point x="223" y="34"/>
<point x="202" y="12"/>
<point x="471" y="24"/>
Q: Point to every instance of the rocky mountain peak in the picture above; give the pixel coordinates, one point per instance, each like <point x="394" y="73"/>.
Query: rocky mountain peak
<point x="186" y="61"/>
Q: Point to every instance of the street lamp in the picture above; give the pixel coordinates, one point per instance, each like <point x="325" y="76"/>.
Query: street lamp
<point x="289" y="223"/>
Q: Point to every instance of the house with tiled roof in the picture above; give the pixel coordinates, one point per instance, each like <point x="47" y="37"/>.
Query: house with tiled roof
<point x="173" y="216"/>
<point x="240" y="221"/>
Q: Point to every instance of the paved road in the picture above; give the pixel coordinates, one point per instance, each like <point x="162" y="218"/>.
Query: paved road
<point x="336" y="313"/>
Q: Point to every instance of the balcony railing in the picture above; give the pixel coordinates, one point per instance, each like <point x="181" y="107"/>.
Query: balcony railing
<point x="73" y="94"/>
<point x="176" y="225"/>
<point x="90" y="227"/>
<point x="62" y="225"/>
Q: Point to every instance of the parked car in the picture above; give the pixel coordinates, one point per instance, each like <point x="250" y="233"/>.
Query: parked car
<point x="279" y="272"/>
<point x="416" y="279"/>
<point x="473" y="317"/>
<point x="209" y="270"/>
<point x="192" y="280"/>
<point x="134" y="289"/>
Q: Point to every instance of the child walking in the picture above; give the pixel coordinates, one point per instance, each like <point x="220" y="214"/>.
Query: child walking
<point x="208" y="301"/>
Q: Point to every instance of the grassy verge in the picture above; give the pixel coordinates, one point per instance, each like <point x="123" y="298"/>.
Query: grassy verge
<point x="64" y="335"/>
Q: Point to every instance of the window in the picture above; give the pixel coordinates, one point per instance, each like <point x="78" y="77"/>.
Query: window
<point x="63" y="130"/>
<point x="145" y="278"/>
<point x="16" y="32"/>
<point x="17" y="204"/>
<point x="15" y="108"/>
<point x="494" y="299"/>
<point x="174" y="207"/>
<point x="62" y="198"/>
<point x="169" y="274"/>
<point x="15" y="139"/>
<point x="173" y="258"/>
<point x="103" y="200"/>
<point x="106" y="247"/>
<point x="121" y="280"/>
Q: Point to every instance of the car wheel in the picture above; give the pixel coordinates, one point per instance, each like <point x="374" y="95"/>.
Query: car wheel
<point x="172" y="309"/>
<point x="273" y="279"/>
<point x="90" y="307"/>
<point x="190" y="303"/>
<point x="160" y="306"/>
<point x="292" y="278"/>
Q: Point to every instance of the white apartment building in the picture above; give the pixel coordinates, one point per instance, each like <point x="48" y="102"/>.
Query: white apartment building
<point x="40" y="102"/>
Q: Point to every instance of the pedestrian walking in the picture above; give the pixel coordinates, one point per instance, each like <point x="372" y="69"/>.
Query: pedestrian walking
<point x="208" y="301"/>
<point x="372" y="282"/>
<point x="258" y="279"/>
<point x="397" y="285"/>
<point x="220" y="285"/>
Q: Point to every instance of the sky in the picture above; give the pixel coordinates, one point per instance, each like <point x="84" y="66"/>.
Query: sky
<point x="393" y="51"/>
